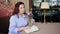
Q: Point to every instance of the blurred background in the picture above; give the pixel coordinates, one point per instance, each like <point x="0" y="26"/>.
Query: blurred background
<point x="7" y="6"/>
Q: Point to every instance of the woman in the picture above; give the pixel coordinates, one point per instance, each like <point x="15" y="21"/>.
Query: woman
<point x="18" y="21"/>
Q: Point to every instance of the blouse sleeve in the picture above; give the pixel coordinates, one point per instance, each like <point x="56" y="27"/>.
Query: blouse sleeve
<point x="12" y="26"/>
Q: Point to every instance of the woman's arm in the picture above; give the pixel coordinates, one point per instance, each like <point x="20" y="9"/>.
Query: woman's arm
<point x="13" y="27"/>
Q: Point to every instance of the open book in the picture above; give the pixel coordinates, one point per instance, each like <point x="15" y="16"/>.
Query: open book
<point x="33" y="29"/>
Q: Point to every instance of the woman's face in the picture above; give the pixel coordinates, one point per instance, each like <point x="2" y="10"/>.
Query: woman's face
<point x="21" y="9"/>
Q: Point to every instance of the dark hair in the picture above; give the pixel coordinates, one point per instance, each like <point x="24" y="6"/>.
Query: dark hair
<point x="16" y="9"/>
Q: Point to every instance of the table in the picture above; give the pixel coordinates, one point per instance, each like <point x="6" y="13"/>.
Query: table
<point x="49" y="28"/>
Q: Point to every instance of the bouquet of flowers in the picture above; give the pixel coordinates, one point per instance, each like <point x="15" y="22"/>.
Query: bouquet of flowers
<point x="31" y="20"/>
<point x="30" y="15"/>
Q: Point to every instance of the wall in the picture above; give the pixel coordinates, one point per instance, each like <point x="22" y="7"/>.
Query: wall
<point x="25" y="1"/>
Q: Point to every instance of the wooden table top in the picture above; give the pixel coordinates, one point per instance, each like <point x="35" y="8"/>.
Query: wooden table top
<point x="49" y="28"/>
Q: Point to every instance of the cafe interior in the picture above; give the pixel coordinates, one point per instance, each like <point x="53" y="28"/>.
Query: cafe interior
<point x="46" y="14"/>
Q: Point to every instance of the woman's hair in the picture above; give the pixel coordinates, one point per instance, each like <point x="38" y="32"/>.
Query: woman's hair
<point x="16" y="9"/>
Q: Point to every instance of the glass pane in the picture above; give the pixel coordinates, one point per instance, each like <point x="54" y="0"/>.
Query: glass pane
<point x="37" y="3"/>
<point x="46" y="0"/>
<point x="7" y="1"/>
<point x="58" y="2"/>
<point x="53" y="2"/>
<point x="37" y="0"/>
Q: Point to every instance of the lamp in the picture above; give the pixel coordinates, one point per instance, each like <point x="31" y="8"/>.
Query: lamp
<point x="44" y="5"/>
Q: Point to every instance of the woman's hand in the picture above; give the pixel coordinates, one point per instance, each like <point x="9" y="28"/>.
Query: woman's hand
<point x="24" y="28"/>
<point x="21" y="28"/>
<point x="27" y="27"/>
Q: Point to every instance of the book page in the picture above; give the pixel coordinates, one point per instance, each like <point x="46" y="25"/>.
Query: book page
<point x="33" y="28"/>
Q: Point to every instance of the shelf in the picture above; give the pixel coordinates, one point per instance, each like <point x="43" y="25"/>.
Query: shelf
<point x="37" y="9"/>
<point x="39" y="13"/>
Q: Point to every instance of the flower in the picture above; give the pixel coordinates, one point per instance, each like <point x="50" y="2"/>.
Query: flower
<point x="31" y="20"/>
<point x="30" y="15"/>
